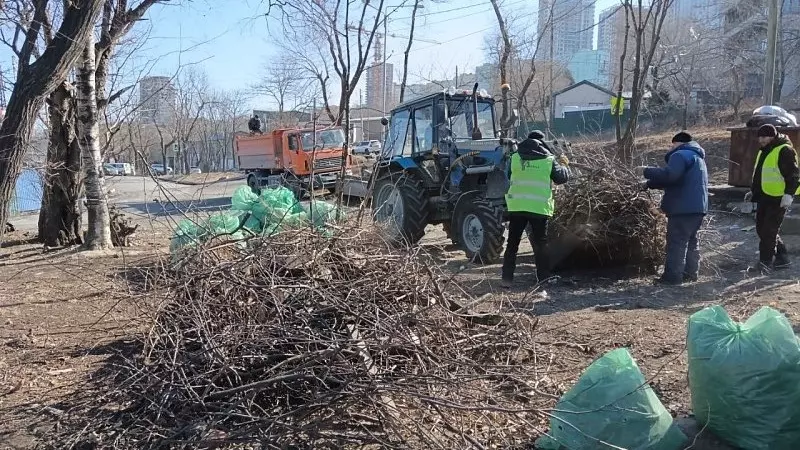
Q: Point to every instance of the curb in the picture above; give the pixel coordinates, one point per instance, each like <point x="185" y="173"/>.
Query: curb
<point x="200" y="183"/>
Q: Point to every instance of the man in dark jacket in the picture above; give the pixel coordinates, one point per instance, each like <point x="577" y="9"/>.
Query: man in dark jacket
<point x="530" y="202"/>
<point x="776" y="179"/>
<point x="685" y="202"/>
<point x="254" y="125"/>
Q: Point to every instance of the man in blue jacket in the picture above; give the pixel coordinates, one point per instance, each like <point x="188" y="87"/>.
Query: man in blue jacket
<point x="685" y="202"/>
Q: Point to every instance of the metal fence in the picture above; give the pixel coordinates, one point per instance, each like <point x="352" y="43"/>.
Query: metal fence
<point x="27" y="196"/>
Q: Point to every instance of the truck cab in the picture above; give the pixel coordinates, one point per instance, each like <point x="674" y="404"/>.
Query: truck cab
<point x="292" y="157"/>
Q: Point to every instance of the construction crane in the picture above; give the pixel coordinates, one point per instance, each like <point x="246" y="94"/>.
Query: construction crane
<point x="380" y="51"/>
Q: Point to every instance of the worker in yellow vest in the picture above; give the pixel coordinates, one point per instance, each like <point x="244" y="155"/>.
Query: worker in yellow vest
<point x="529" y="201"/>
<point x="776" y="179"/>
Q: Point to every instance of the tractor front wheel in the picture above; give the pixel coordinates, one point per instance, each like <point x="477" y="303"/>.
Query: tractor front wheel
<point x="478" y="229"/>
<point x="400" y="203"/>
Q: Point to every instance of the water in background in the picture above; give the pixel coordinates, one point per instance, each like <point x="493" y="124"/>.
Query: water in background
<point x="28" y="192"/>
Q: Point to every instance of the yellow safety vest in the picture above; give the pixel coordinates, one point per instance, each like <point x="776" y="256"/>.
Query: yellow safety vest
<point x="772" y="182"/>
<point x="531" y="189"/>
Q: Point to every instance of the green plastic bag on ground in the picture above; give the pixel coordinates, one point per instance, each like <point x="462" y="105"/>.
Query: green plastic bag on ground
<point x="223" y="223"/>
<point x="612" y="403"/>
<point x="243" y="199"/>
<point x="322" y="213"/>
<point x="187" y="234"/>
<point x="745" y="378"/>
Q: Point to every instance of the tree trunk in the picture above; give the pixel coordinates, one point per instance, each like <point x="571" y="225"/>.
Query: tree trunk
<point x="408" y="50"/>
<point x="15" y="133"/>
<point x="60" y="216"/>
<point x="99" y="233"/>
<point x="34" y="82"/>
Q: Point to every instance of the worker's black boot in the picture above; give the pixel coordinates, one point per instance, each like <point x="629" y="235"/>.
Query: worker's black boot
<point x="781" y="261"/>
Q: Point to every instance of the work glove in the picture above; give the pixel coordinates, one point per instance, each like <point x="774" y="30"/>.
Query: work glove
<point x="786" y="200"/>
<point x="563" y="160"/>
<point x="748" y="198"/>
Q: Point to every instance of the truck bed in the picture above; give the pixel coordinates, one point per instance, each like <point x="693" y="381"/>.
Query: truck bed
<point x="260" y="151"/>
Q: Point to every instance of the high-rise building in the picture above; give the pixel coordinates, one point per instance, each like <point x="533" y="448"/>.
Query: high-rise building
<point x="488" y="77"/>
<point x="702" y="11"/>
<point x="157" y="100"/>
<point x="566" y="27"/>
<point x="376" y="88"/>
<point x="590" y="65"/>
<point x="611" y="41"/>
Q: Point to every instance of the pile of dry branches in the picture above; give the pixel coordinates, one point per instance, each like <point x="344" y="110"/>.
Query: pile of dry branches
<point x="305" y="341"/>
<point x="604" y="219"/>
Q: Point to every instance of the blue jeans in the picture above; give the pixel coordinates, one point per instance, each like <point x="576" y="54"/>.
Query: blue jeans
<point x="683" y="250"/>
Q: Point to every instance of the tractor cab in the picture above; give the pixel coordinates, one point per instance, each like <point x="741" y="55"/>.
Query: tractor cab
<point x="435" y="122"/>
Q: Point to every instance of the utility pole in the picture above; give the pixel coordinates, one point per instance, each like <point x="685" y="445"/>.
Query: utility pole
<point x="772" y="50"/>
<point x="385" y="38"/>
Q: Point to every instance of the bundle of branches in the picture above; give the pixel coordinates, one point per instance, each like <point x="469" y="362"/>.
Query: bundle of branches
<point x="306" y="341"/>
<point x="604" y="219"/>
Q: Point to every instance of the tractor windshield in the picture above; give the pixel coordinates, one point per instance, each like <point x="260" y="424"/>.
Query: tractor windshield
<point x="460" y="115"/>
<point x="333" y="138"/>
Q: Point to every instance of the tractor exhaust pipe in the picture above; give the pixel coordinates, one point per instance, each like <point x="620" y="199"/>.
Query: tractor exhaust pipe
<point x="476" y="131"/>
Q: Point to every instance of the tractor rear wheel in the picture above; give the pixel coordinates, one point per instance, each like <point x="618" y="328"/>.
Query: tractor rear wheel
<point x="478" y="228"/>
<point x="400" y="203"/>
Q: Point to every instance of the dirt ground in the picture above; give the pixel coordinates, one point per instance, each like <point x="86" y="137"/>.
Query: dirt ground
<point x="64" y="314"/>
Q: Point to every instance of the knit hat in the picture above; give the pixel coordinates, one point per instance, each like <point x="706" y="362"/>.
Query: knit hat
<point x="767" y="131"/>
<point x="682" y="137"/>
<point x="536" y="134"/>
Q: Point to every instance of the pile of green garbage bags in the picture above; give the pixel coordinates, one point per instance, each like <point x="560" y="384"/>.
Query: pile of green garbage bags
<point x="744" y="380"/>
<point x="272" y="211"/>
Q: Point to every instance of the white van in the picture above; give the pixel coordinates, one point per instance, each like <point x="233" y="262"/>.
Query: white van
<point x="124" y="168"/>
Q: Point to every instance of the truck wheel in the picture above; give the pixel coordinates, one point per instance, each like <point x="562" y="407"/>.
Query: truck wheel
<point x="479" y="231"/>
<point x="252" y="181"/>
<point x="399" y="201"/>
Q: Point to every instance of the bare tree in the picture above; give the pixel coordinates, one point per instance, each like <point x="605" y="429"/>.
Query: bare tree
<point x="643" y="26"/>
<point x="63" y="184"/>
<point x="517" y="51"/>
<point x="284" y="84"/>
<point x="410" y="42"/>
<point x="36" y="79"/>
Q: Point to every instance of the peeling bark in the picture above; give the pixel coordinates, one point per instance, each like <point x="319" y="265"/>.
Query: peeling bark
<point x="98" y="235"/>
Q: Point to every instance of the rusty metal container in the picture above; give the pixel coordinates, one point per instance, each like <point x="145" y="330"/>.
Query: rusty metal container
<point x="742" y="154"/>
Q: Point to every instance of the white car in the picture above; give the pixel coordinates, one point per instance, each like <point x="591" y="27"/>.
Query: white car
<point x="367" y="148"/>
<point x="111" y="169"/>
<point x="158" y="169"/>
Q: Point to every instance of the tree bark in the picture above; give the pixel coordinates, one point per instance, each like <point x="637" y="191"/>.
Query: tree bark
<point x="60" y="216"/>
<point x="34" y="82"/>
<point x="99" y="227"/>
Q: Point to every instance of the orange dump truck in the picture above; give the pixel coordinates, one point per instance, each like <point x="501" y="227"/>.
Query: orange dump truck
<point x="284" y="157"/>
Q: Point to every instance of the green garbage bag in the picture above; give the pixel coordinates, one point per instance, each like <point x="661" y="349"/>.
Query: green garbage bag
<point x="243" y="199"/>
<point x="612" y="403"/>
<point x="322" y="213"/>
<point x="223" y="223"/>
<point x="745" y="378"/>
<point x="187" y="234"/>
<point x="280" y="196"/>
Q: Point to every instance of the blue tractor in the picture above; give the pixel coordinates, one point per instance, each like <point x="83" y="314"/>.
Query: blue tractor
<point x="443" y="163"/>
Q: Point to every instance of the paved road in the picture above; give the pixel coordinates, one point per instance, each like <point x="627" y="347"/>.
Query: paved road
<point x="144" y="197"/>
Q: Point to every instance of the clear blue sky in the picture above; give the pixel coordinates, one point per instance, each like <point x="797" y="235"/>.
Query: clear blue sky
<point x="230" y="40"/>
